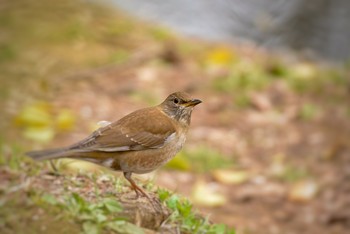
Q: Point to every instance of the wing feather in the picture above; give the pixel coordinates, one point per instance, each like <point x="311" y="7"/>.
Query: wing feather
<point x="136" y="131"/>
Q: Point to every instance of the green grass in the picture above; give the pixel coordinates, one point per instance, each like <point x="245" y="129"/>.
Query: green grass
<point x="244" y="79"/>
<point x="293" y="174"/>
<point x="308" y="111"/>
<point x="12" y="158"/>
<point x="187" y="219"/>
<point x="7" y="52"/>
<point x="242" y="100"/>
<point x="94" y="217"/>
<point x="247" y="76"/>
<point x="20" y="214"/>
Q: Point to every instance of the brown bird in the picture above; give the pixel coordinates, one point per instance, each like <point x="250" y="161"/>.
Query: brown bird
<point x="138" y="143"/>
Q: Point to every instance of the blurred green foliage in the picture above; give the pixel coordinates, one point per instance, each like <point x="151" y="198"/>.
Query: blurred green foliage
<point x="12" y="158"/>
<point x="200" y="159"/>
<point x="293" y="174"/>
<point x="244" y="77"/>
<point x="309" y="111"/>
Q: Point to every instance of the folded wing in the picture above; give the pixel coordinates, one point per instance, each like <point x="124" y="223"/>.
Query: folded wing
<point x="135" y="131"/>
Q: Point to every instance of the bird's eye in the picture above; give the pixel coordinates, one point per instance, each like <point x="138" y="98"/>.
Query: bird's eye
<point x="176" y="101"/>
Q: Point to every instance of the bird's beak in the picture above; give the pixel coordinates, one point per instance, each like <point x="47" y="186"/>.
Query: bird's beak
<point x="193" y="102"/>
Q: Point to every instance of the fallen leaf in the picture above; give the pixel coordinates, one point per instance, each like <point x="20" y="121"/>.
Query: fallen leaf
<point x="278" y="165"/>
<point x="34" y="115"/>
<point x="303" y="191"/>
<point x="231" y="176"/>
<point x="220" y="56"/>
<point x="39" y="134"/>
<point x="204" y="194"/>
<point x="304" y="71"/>
<point x="65" y="120"/>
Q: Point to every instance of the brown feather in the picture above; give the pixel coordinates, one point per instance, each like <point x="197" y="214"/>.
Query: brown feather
<point x="135" y="131"/>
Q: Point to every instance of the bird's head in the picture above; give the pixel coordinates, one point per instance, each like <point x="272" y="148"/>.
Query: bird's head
<point x="179" y="106"/>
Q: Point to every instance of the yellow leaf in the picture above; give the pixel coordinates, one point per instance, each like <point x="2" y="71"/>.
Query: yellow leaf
<point x="35" y="115"/>
<point x="220" y="56"/>
<point x="39" y="134"/>
<point x="230" y="176"/>
<point x="65" y="120"/>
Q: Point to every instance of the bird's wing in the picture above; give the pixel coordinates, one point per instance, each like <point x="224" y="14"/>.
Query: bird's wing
<point x="142" y="129"/>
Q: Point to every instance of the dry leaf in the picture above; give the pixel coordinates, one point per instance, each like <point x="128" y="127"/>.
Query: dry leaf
<point x="205" y="194"/>
<point x="65" y="120"/>
<point x="304" y="71"/>
<point x="39" y="134"/>
<point x="35" y="115"/>
<point x="231" y="176"/>
<point x="303" y="191"/>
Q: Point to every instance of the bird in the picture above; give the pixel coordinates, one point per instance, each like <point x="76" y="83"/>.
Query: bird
<point x="139" y="143"/>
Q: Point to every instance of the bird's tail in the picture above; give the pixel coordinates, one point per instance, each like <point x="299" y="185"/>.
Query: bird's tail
<point x="48" y="154"/>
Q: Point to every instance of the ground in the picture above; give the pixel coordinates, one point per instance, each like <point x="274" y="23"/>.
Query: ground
<point x="267" y="151"/>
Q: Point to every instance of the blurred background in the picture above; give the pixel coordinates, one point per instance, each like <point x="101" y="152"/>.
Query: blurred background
<point x="268" y="150"/>
<point x="317" y="29"/>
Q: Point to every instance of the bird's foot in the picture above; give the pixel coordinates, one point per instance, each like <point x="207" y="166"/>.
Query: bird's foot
<point x="54" y="171"/>
<point x="154" y="201"/>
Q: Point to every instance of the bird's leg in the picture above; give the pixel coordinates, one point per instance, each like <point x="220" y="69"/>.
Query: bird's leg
<point x="136" y="188"/>
<point x="157" y="206"/>
<point x="55" y="170"/>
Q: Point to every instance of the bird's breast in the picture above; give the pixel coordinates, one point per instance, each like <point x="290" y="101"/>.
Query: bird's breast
<point x="181" y="138"/>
